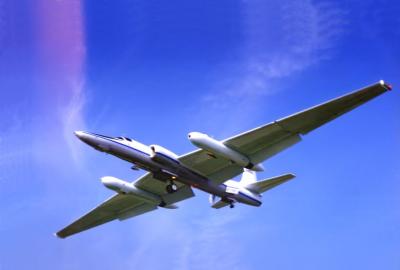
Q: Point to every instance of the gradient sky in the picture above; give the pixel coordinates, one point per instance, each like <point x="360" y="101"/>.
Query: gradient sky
<point x="156" y="70"/>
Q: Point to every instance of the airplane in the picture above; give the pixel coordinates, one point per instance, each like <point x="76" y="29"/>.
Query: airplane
<point x="170" y="178"/>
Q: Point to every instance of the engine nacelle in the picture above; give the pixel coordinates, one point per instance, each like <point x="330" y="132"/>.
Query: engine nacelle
<point x="218" y="148"/>
<point x="163" y="155"/>
<point x="124" y="187"/>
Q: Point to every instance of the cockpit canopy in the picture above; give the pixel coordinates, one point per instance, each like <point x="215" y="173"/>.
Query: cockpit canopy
<point x="123" y="139"/>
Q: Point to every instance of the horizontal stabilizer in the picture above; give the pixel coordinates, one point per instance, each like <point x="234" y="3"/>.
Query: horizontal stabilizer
<point x="171" y="206"/>
<point x="219" y="204"/>
<point x="264" y="185"/>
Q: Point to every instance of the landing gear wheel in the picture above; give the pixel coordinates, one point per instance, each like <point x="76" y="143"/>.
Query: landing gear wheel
<point x="231" y="205"/>
<point x="171" y="188"/>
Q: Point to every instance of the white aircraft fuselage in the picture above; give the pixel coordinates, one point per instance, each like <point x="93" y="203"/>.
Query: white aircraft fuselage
<point x="165" y="166"/>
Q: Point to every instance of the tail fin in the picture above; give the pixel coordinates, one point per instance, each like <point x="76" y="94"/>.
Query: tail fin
<point x="264" y="185"/>
<point x="248" y="177"/>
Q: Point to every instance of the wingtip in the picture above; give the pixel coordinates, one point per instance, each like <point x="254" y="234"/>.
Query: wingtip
<point x="58" y="235"/>
<point x="385" y="85"/>
<point x="288" y="176"/>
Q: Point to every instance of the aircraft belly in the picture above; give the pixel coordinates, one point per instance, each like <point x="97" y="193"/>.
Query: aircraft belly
<point x="180" y="173"/>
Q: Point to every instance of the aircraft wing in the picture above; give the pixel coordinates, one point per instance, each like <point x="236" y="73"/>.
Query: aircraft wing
<point x="118" y="206"/>
<point x="263" y="142"/>
<point x="122" y="206"/>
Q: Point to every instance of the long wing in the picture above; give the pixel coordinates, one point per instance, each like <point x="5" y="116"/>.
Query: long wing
<point x="263" y="142"/>
<point x="126" y="206"/>
<point x="115" y="207"/>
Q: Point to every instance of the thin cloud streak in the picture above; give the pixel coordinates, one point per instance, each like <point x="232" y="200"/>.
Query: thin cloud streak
<point x="277" y="46"/>
<point x="73" y="119"/>
<point x="212" y="244"/>
<point x="60" y="36"/>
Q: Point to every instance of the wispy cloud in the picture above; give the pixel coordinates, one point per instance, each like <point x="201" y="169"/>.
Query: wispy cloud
<point x="375" y="19"/>
<point x="212" y="244"/>
<point x="188" y="240"/>
<point x="304" y="33"/>
<point x="281" y="39"/>
<point x="72" y="117"/>
<point x="60" y="35"/>
<point x="15" y="149"/>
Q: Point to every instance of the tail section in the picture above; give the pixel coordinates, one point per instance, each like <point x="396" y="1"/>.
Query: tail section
<point x="248" y="186"/>
<point x="217" y="202"/>
<point x="264" y="185"/>
<point x="248" y="177"/>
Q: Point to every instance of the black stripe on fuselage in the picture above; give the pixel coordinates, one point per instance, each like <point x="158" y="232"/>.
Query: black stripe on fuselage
<point x="114" y="140"/>
<point x="170" y="158"/>
<point x="251" y="198"/>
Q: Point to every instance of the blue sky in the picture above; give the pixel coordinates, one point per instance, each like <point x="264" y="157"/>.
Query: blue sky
<point x="156" y="70"/>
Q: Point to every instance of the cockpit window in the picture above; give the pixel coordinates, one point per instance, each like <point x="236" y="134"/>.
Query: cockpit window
<point x="123" y="139"/>
<point x="99" y="135"/>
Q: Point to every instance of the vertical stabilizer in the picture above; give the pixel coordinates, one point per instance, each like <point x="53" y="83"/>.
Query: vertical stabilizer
<point x="248" y="177"/>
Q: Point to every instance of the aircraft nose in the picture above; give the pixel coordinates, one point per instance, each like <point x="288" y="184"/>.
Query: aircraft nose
<point x="92" y="140"/>
<point x="84" y="137"/>
<point x="79" y="134"/>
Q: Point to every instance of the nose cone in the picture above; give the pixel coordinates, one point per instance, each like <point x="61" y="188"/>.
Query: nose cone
<point x="79" y="134"/>
<point x="86" y="137"/>
<point x="108" y="181"/>
<point x="197" y="138"/>
<point x="193" y="136"/>
<point x="112" y="183"/>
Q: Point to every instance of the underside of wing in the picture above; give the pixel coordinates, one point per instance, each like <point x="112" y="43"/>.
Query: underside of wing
<point x="264" y="142"/>
<point x="305" y="121"/>
<point x="216" y="169"/>
<point x="117" y="207"/>
<point x="122" y="206"/>
<point x="254" y="142"/>
<point x="158" y="187"/>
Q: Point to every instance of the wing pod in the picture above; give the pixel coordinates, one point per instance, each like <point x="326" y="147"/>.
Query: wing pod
<point x="218" y="148"/>
<point x="124" y="187"/>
